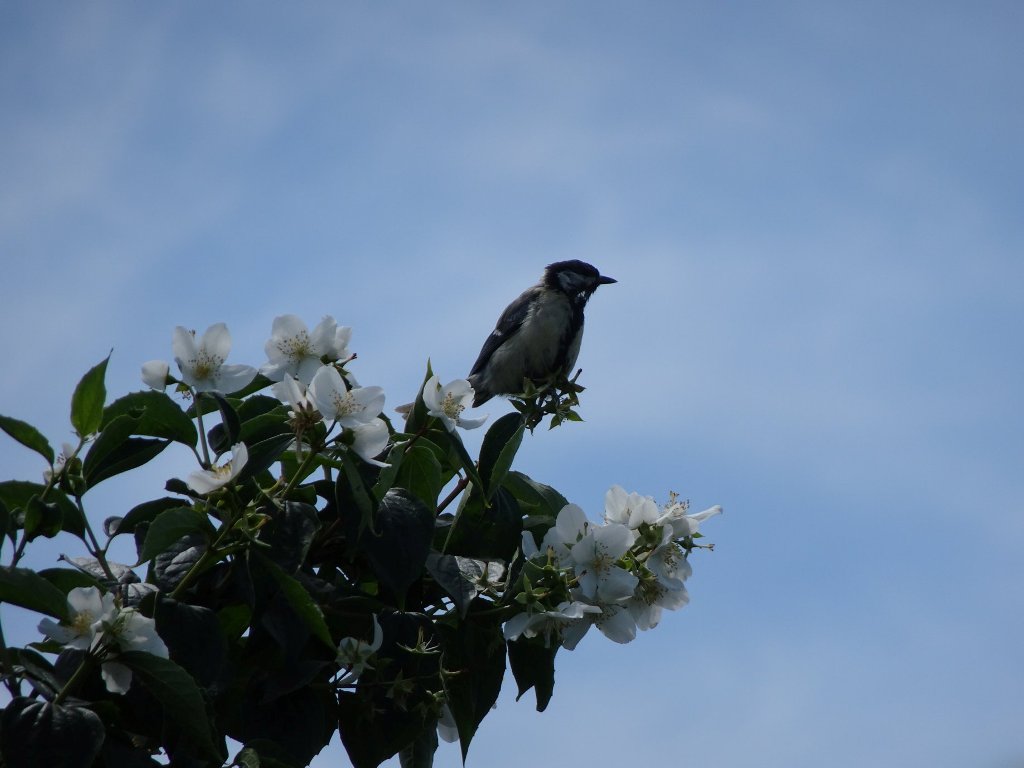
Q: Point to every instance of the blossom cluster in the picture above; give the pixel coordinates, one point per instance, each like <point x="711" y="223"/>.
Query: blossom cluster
<point x="308" y="368"/>
<point x="618" y="575"/>
<point x="101" y="627"/>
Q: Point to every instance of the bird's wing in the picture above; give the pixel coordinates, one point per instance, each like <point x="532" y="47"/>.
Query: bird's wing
<point x="509" y="322"/>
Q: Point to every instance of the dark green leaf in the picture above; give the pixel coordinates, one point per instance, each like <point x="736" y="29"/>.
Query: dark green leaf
<point x="400" y="542"/>
<point x="16" y="494"/>
<point x="499" y="450"/>
<point x="171" y="565"/>
<point x="290" y="534"/>
<point x="114" y="451"/>
<point x="463" y="578"/>
<point x="488" y="533"/>
<point x="533" y="666"/>
<point x="119" y="754"/>
<point x="541" y="499"/>
<point x="36" y="733"/>
<point x="42" y="519"/>
<point x="171" y="526"/>
<point x="420" y="753"/>
<point x="265" y="427"/>
<point x="37" y="670"/>
<point x="66" y="579"/>
<point x="21" y="586"/>
<point x="475" y="652"/>
<point x="263" y="454"/>
<point x="182" y="701"/>
<point x="91" y="566"/>
<point x="5" y="522"/>
<point x="420" y="474"/>
<point x="133" y="452"/>
<point x="225" y="434"/>
<point x="355" y="503"/>
<point x="460" y="456"/>
<point x="28" y="436"/>
<point x="378" y="720"/>
<point x="193" y="636"/>
<point x="289" y="732"/>
<point x="299" y="600"/>
<point x="175" y="485"/>
<point x="156" y="414"/>
<point x="146" y="512"/>
<point x="87" y="400"/>
<point x="418" y="418"/>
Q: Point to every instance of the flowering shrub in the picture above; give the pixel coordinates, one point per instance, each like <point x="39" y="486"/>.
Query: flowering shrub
<point x="322" y="568"/>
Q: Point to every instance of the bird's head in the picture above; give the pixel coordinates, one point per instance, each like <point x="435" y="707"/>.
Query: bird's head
<point x="574" y="278"/>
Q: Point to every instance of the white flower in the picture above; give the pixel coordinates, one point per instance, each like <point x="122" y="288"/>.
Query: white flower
<point x="448" y="402"/>
<point x="207" y="480"/>
<point x="293" y="349"/>
<point x="67" y="451"/>
<point x="88" y="607"/>
<point x="292" y="391"/>
<point x="130" y="631"/>
<point x="370" y="440"/>
<point x="547" y="622"/>
<point x="337" y="402"/>
<point x="446" y="727"/>
<point x="570" y="526"/>
<point x="668" y="561"/>
<point x="202" y="365"/>
<point x="155" y="373"/>
<point x="356" y="654"/>
<point x="683" y="524"/>
<point x="629" y="509"/>
<point x="613" y="620"/>
<point x="98" y="626"/>
<point x="594" y="559"/>
<point x="652" y="595"/>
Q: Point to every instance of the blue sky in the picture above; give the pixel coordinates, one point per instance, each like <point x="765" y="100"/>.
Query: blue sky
<point x="813" y="212"/>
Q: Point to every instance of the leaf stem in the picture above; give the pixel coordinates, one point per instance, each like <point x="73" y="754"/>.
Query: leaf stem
<point x="76" y="679"/>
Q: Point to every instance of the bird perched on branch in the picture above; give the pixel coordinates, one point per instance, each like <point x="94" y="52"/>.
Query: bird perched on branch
<point x="538" y="335"/>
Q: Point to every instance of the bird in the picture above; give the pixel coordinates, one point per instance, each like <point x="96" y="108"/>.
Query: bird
<point x="538" y="335"/>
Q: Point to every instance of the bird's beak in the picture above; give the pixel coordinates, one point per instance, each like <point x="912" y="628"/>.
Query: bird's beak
<point x="605" y="280"/>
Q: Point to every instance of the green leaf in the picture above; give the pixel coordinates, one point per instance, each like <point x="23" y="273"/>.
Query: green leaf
<point x="463" y="578"/>
<point x="87" y="400"/>
<point x="299" y="599"/>
<point x="193" y="637"/>
<point x="418" y="418"/>
<point x="115" y="452"/>
<point x="488" y="533"/>
<point x="157" y="415"/>
<point x="179" y="695"/>
<point x="420" y="473"/>
<point x="28" y="436"/>
<point x="540" y="499"/>
<point x="499" y="450"/>
<point x="351" y="496"/>
<point x="26" y="588"/>
<point x="42" y="519"/>
<point x="66" y="579"/>
<point x="171" y="526"/>
<point x="399" y="545"/>
<point x="533" y="666"/>
<point x="146" y="512"/>
<point x="263" y="454"/>
<point x="420" y="753"/>
<point x="16" y="494"/>
<point x="36" y="733"/>
<point x="290" y="534"/>
<point x="475" y="652"/>
<point x="225" y="434"/>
